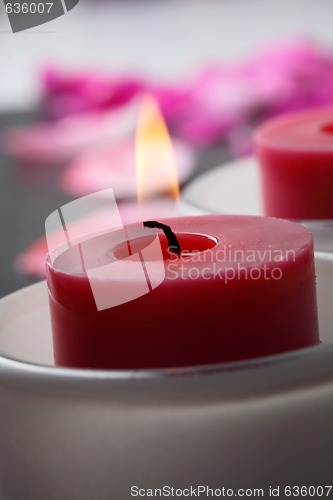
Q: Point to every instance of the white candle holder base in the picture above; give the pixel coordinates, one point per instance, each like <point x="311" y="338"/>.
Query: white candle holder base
<point x="68" y="433"/>
<point x="235" y="188"/>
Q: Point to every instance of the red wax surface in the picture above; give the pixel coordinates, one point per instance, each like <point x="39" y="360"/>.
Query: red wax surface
<point x="249" y="292"/>
<point x="295" y="153"/>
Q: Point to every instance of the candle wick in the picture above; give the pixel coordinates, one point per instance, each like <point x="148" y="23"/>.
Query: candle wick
<point x="173" y="242"/>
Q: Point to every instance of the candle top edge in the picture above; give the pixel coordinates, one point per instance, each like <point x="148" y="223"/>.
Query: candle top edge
<point x="260" y="236"/>
<point x="310" y="131"/>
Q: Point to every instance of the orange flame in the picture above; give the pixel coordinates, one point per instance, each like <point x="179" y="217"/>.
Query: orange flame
<point x="155" y="165"/>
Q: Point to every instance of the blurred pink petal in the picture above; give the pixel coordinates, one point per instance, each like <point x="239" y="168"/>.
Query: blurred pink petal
<point x="61" y="140"/>
<point x="68" y="94"/>
<point x="114" y="166"/>
<point x="203" y="110"/>
<point x="293" y="76"/>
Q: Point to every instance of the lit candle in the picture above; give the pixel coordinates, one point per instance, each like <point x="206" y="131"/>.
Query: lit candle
<point x="296" y="159"/>
<point x="238" y="287"/>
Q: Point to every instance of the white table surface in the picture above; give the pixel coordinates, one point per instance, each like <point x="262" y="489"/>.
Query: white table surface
<point x="161" y="38"/>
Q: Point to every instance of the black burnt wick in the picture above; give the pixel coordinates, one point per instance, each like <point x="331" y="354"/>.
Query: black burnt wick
<point x="173" y="242"/>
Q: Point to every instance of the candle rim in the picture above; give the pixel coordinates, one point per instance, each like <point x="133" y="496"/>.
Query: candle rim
<point x="63" y="248"/>
<point x="282" y="263"/>
<point x="318" y="117"/>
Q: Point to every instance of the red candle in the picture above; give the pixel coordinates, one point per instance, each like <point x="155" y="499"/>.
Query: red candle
<point x="242" y="287"/>
<point x="296" y="157"/>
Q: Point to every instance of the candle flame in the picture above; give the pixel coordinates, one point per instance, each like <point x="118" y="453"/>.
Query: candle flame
<point x="155" y="164"/>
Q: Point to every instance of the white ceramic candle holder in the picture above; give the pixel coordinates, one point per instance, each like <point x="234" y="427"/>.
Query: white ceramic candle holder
<point x="68" y="433"/>
<point x="235" y="188"/>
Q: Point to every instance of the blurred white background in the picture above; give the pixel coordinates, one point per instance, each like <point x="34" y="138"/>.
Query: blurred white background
<point x="159" y="38"/>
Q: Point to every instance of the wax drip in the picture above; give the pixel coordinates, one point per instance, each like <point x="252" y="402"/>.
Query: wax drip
<point x="173" y="242"/>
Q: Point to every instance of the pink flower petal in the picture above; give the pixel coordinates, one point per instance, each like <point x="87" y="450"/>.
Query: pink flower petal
<point x="114" y="166"/>
<point x="60" y="141"/>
